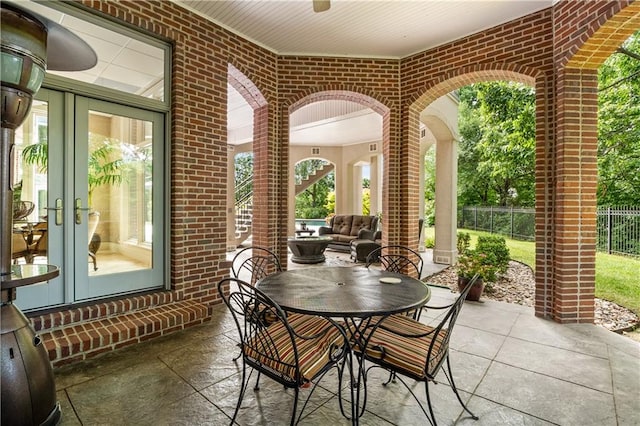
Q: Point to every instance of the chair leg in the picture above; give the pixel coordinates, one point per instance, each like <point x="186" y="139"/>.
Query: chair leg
<point x="455" y="390"/>
<point x="93" y="258"/>
<point x="432" y="420"/>
<point x="243" y="387"/>
<point x="392" y="378"/>
<point x="295" y="406"/>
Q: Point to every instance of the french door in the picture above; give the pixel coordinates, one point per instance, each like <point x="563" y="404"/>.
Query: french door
<point x="97" y="178"/>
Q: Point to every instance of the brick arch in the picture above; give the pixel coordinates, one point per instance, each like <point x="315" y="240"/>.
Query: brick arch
<point x="543" y="161"/>
<point x="604" y="35"/>
<point x="353" y="94"/>
<point x="473" y="74"/>
<point x="595" y="30"/>
<point x="249" y="91"/>
<point x="254" y="97"/>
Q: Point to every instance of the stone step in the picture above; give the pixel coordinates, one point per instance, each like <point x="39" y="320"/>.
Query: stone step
<point x="77" y="341"/>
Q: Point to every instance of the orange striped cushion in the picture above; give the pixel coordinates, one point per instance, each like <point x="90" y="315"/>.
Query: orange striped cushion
<point x="406" y="353"/>
<point x="277" y="352"/>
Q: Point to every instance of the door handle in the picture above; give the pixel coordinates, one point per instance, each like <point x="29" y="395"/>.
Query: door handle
<point x="79" y="209"/>
<point x="58" y="209"/>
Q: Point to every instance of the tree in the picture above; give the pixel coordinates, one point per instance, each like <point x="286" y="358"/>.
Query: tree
<point x="366" y="201"/>
<point x="311" y="203"/>
<point x="496" y="161"/>
<point x="243" y="164"/>
<point x="619" y="126"/>
<point x="430" y="186"/>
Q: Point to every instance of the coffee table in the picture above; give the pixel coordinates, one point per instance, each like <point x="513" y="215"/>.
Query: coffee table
<point x="308" y="249"/>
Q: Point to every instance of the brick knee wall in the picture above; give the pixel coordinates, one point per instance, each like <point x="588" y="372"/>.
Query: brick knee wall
<point x="68" y="341"/>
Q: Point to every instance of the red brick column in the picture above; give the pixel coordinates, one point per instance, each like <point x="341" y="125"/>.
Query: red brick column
<point x="585" y="37"/>
<point x="574" y="215"/>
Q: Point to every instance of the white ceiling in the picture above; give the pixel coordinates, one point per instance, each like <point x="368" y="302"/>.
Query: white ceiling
<point x="363" y="28"/>
<point x="359" y="28"/>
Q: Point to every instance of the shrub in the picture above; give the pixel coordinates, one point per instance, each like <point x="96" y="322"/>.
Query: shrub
<point x="429" y="242"/>
<point x="496" y="248"/>
<point x="463" y="242"/>
<point x="473" y="262"/>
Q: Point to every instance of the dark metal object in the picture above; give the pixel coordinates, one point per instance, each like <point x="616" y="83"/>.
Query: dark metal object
<point x="344" y="292"/>
<point x="308" y="249"/>
<point x="281" y="352"/>
<point x="28" y="387"/>
<point x="29" y="41"/>
<point x="434" y="338"/>
<point x="358" y="296"/>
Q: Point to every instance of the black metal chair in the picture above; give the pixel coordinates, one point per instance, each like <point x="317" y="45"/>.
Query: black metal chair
<point x="294" y="350"/>
<point x="260" y="263"/>
<point x="255" y="262"/>
<point x="406" y="347"/>
<point x="400" y="259"/>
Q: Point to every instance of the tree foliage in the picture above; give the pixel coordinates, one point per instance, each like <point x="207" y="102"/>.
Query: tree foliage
<point x="619" y="126"/>
<point x="243" y="166"/>
<point x="430" y="186"/>
<point x="311" y="203"/>
<point x="496" y="159"/>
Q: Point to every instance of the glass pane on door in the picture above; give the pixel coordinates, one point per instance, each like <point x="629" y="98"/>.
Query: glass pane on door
<point x="118" y="199"/>
<point x="29" y="243"/>
<point x="37" y="184"/>
<point x="119" y="174"/>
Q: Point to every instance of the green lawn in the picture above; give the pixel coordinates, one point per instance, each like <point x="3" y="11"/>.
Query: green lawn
<point x="617" y="277"/>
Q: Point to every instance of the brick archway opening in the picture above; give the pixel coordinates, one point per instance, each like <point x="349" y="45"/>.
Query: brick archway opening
<point x="256" y="100"/>
<point x="350" y="95"/>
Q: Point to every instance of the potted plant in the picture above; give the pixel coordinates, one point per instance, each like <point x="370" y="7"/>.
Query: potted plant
<point x="105" y="167"/>
<point x="488" y="259"/>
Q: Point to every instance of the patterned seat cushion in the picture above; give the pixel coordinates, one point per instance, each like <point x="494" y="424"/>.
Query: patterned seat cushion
<point x="272" y="346"/>
<point x="408" y="354"/>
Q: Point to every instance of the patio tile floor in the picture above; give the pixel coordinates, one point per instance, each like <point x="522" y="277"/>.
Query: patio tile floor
<point x="512" y="367"/>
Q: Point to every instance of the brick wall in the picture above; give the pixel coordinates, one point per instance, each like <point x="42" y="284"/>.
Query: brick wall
<point x="533" y="49"/>
<point x="585" y="36"/>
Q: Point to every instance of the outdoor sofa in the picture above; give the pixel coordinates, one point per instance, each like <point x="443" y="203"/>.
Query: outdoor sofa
<point x="342" y="229"/>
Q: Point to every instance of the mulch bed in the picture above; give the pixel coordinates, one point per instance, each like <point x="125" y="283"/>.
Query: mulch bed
<point x="517" y="285"/>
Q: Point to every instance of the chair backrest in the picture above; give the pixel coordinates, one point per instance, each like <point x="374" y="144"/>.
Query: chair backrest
<point x="400" y="259"/>
<point x="445" y="329"/>
<point x="92" y="224"/>
<point x="39" y="248"/>
<point x="256" y="261"/>
<point x="22" y="209"/>
<point x="253" y="312"/>
<point x="18" y="246"/>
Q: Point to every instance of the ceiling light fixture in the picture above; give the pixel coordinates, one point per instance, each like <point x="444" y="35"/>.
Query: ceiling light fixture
<point x="321" y="5"/>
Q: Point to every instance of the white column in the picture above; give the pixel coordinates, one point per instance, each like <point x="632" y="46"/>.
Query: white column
<point x="356" y="195"/>
<point x="446" y="202"/>
<point x="421" y="203"/>
<point x="375" y="184"/>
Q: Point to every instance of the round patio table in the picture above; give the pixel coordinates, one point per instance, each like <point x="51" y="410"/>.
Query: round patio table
<point x="363" y="297"/>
